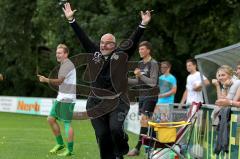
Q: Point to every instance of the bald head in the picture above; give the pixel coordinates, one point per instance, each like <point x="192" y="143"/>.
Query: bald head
<point x="109" y="37"/>
<point x="107" y="44"/>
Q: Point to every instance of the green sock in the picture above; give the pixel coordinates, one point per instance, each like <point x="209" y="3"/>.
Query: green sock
<point x="70" y="146"/>
<point x="59" y="140"/>
<point x="67" y="127"/>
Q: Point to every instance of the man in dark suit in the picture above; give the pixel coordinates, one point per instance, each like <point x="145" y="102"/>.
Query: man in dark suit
<point x="108" y="102"/>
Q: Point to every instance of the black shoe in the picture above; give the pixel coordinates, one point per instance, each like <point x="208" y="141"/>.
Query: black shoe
<point x="119" y="157"/>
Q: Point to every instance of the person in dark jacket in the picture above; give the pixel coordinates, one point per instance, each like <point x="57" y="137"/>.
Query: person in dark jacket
<point x="108" y="102"/>
<point x="146" y="80"/>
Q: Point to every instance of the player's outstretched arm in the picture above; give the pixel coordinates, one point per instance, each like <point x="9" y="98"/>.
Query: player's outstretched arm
<point x="56" y="82"/>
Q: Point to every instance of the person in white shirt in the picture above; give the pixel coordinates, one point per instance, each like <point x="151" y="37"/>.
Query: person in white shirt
<point x="62" y="108"/>
<point x="193" y="91"/>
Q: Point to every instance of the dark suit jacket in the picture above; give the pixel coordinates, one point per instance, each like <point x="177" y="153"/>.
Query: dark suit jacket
<point x="118" y="65"/>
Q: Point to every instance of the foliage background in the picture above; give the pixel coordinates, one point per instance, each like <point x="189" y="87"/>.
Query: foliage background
<point x="31" y="30"/>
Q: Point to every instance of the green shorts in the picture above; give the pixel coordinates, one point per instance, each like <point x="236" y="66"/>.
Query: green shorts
<point x="62" y="111"/>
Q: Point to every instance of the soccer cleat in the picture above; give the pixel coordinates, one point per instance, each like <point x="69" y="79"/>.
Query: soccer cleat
<point x="65" y="153"/>
<point x="57" y="148"/>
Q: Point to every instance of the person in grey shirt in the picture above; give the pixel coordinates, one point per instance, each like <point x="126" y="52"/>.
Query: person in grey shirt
<point x="147" y="82"/>
<point x="63" y="106"/>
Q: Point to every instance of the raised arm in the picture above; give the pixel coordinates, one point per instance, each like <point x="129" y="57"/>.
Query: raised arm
<point x="130" y="45"/>
<point x="146" y="17"/>
<point x="87" y="43"/>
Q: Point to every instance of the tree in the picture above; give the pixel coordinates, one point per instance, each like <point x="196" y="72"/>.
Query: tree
<point x="31" y="30"/>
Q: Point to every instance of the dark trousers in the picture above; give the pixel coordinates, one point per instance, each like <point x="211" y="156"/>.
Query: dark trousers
<point x="109" y="131"/>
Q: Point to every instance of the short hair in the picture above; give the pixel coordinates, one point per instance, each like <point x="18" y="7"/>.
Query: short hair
<point x="147" y="44"/>
<point x="64" y="47"/>
<point x="166" y="63"/>
<point x="193" y="61"/>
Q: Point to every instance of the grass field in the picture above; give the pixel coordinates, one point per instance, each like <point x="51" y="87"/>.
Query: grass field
<point x="29" y="137"/>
